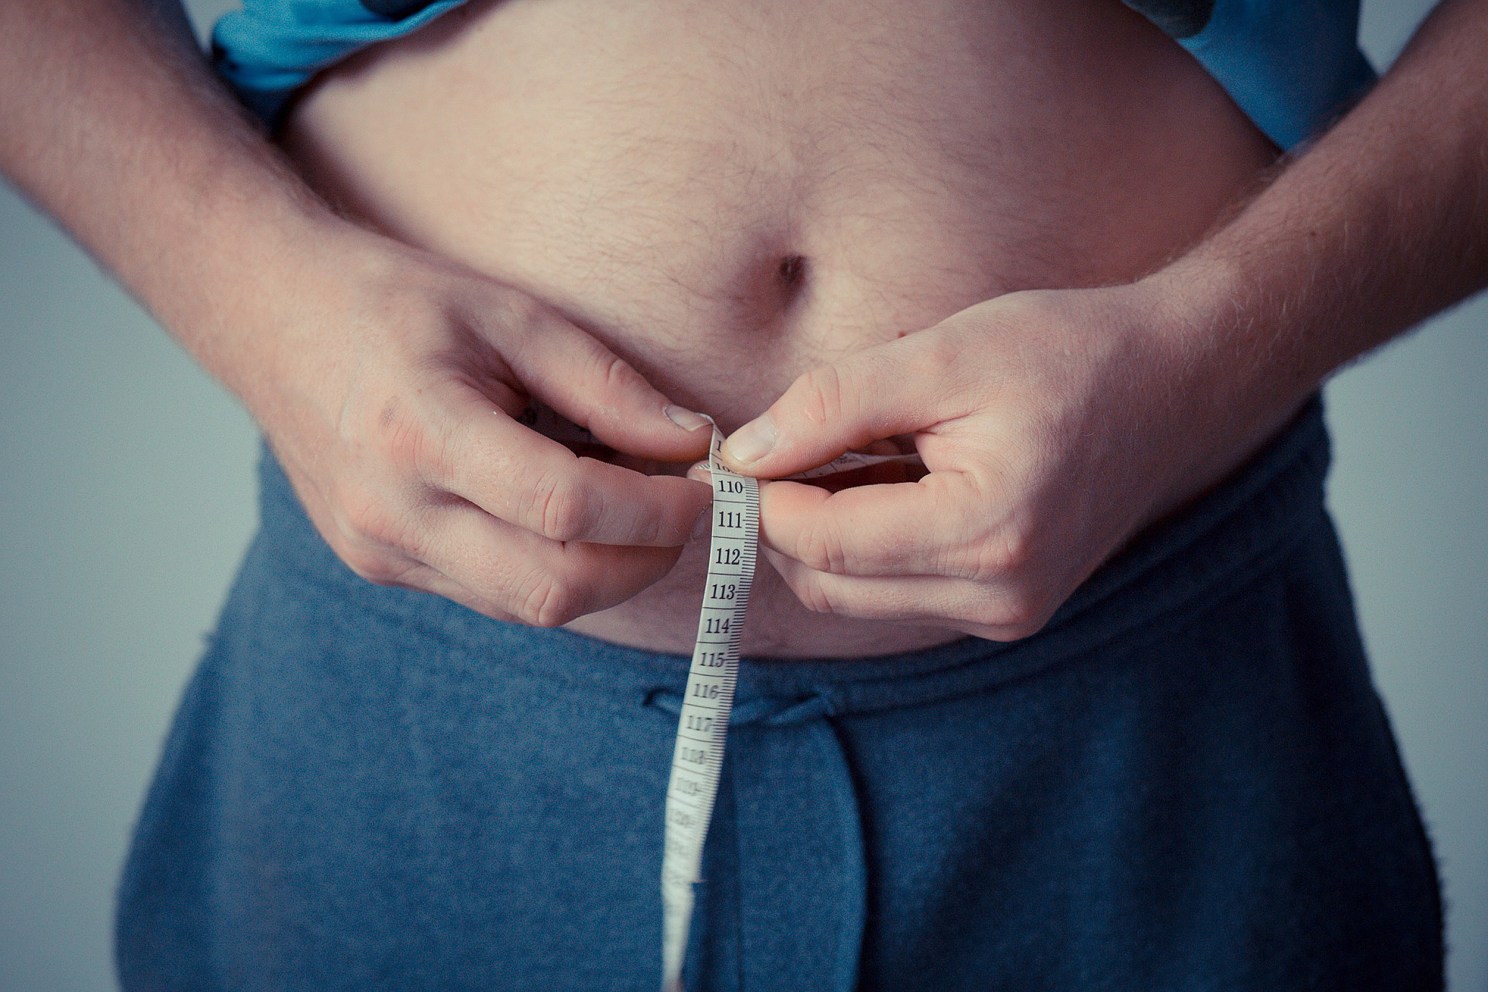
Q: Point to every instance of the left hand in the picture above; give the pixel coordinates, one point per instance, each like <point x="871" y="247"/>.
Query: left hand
<point x="1054" y="424"/>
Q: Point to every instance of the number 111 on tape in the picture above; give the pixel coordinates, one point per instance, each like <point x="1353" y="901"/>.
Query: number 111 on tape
<point x="702" y="726"/>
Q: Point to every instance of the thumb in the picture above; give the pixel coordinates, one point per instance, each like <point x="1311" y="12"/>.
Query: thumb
<point x="877" y="393"/>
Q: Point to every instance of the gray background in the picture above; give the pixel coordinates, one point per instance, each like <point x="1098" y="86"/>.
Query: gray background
<point x="126" y="482"/>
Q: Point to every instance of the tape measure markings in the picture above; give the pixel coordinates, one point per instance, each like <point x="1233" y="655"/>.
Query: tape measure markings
<point x="707" y="701"/>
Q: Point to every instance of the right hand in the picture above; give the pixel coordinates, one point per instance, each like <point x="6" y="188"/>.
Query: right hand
<point x="389" y="393"/>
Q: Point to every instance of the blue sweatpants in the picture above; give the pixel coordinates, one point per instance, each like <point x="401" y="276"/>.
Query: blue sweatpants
<point x="1185" y="782"/>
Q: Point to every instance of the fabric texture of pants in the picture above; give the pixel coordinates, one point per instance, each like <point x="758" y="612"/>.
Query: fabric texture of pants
<point x="1185" y="782"/>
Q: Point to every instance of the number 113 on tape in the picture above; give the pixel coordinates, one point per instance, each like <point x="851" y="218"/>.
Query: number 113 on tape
<point x="702" y="726"/>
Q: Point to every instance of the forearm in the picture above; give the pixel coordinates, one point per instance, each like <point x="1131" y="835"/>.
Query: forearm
<point x="111" y="121"/>
<point x="1383" y="222"/>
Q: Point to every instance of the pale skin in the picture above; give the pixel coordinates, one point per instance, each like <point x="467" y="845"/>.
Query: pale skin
<point x="1100" y="411"/>
<point x="1056" y="424"/>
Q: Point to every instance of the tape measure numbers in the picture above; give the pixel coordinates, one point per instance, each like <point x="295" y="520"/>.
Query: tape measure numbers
<point x="702" y="724"/>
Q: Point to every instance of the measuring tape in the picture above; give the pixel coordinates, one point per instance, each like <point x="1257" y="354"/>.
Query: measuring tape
<point x="702" y="725"/>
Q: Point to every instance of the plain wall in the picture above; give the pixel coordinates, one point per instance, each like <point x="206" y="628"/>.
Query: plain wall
<point x="126" y="500"/>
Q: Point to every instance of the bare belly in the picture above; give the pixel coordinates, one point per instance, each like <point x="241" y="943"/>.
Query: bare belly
<point x="729" y="194"/>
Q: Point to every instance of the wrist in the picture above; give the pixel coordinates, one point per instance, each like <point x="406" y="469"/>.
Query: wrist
<point x="239" y="287"/>
<point x="1247" y="341"/>
<point x="1237" y="368"/>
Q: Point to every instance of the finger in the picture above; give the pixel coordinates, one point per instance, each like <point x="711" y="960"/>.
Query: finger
<point x="895" y="388"/>
<point x="507" y="572"/>
<point x="426" y="579"/>
<point x="945" y="525"/>
<point x="538" y="484"/>
<point x="586" y="382"/>
<point x="996" y="612"/>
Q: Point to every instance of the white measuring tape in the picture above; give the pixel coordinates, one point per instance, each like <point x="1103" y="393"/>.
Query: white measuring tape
<point x="702" y="725"/>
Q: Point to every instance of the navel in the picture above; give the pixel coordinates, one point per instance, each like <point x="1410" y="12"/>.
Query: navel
<point x="774" y="288"/>
<point x="792" y="271"/>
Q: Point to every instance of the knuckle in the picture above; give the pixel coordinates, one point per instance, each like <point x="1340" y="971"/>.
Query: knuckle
<point x="1018" y="613"/>
<point x="821" y="395"/>
<point x="432" y="453"/>
<point x="609" y="374"/>
<point x="942" y="354"/>
<point x="407" y="432"/>
<point x="367" y="523"/>
<point x="812" y="594"/>
<point x="399" y="432"/>
<point x="517" y="313"/>
<point x="937" y="358"/>
<point x="1020" y="631"/>
<point x="616" y="374"/>
<point x="561" y="509"/>
<point x="374" y="564"/>
<point x="821" y="547"/>
<point x="378" y="542"/>
<point x="1004" y="554"/>
<point x="809" y="587"/>
<point x="549" y="601"/>
<point x="648" y="530"/>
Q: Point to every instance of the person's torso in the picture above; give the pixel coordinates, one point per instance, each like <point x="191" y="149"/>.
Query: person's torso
<point x="729" y="194"/>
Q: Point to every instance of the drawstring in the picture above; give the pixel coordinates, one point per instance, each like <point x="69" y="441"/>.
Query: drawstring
<point x="854" y="909"/>
<point x="810" y="713"/>
<point x="764" y="711"/>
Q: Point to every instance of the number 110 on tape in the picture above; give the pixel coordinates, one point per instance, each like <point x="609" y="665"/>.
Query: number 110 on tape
<point x="702" y="726"/>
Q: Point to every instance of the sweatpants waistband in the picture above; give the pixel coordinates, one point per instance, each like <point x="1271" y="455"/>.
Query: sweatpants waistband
<point x="1226" y="539"/>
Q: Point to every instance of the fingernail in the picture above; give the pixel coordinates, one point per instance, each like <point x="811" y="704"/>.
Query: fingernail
<point x="700" y="525"/>
<point x="685" y="418"/>
<point x="751" y="442"/>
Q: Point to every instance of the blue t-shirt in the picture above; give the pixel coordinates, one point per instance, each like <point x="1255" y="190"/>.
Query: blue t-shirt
<point x="1293" y="66"/>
